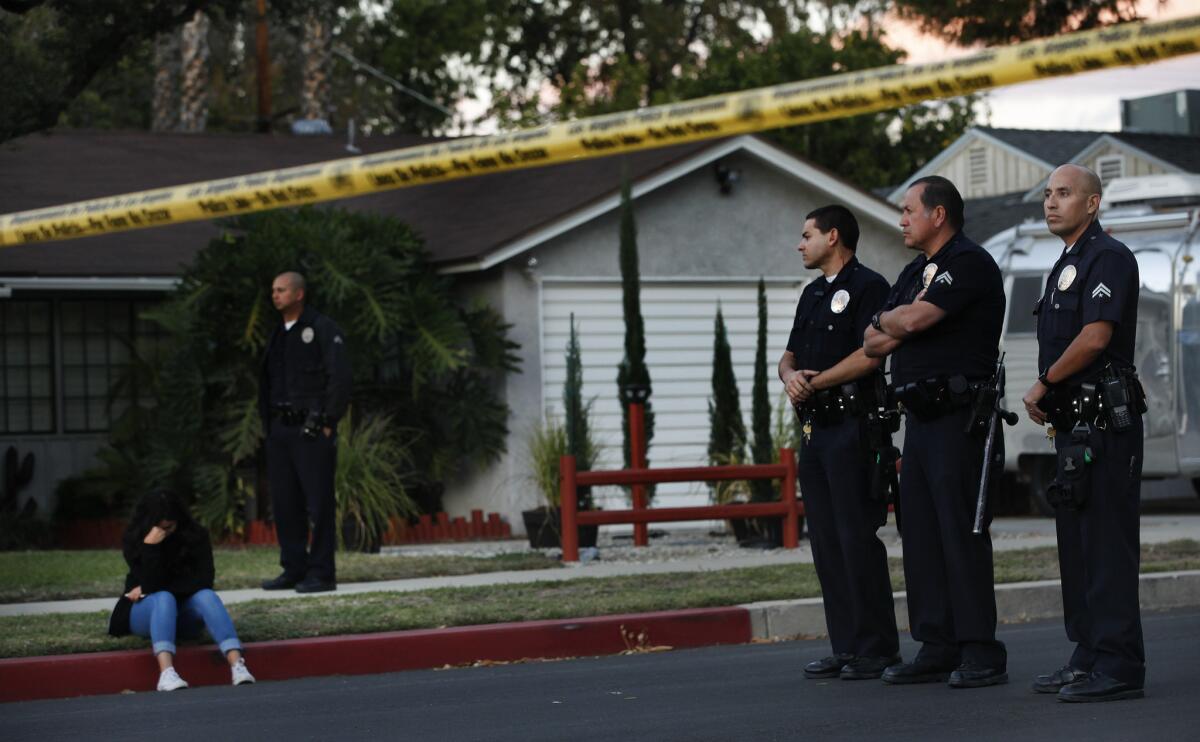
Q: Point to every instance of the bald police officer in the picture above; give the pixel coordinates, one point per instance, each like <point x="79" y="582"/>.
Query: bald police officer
<point x="941" y="325"/>
<point x="1089" y="393"/>
<point x="304" y="389"/>
<point x="832" y="383"/>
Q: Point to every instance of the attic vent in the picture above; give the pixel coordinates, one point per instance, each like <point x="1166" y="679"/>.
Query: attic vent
<point x="1109" y="167"/>
<point x="977" y="168"/>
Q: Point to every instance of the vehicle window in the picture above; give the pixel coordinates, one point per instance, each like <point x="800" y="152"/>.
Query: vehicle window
<point x="1026" y="290"/>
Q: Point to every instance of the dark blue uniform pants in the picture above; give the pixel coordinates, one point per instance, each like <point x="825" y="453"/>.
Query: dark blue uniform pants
<point x="1099" y="554"/>
<point x="947" y="569"/>
<point x="850" y="559"/>
<point x="300" y="473"/>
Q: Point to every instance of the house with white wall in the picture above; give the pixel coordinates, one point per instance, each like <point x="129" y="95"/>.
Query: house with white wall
<point x="537" y="244"/>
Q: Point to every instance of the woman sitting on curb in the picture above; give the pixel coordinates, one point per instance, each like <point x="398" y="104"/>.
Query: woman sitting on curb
<point x="168" y="590"/>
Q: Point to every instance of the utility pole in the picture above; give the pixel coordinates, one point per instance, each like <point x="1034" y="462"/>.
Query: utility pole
<point x="263" y="123"/>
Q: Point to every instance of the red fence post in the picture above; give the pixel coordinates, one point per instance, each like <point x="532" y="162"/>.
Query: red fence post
<point x="787" y="493"/>
<point x="637" y="456"/>
<point x="568" y="504"/>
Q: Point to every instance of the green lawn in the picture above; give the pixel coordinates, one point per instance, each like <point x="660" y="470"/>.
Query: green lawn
<point x="27" y="576"/>
<point x="373" y="612"/>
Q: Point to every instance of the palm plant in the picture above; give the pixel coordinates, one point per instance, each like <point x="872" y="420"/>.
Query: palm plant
<point x="547" y="445"/>
<point x="417" y="356"/>
<point x="369" y="484"/>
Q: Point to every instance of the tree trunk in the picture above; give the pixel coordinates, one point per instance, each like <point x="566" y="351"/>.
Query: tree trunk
<point x="165" y="107"/>
<point x="193" y="103"/>
<point x="316" y="49"/>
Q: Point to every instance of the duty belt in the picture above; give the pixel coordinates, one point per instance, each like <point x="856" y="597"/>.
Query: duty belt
<point x="1103" y="404"/>
<point x="833" y="406"/>
<point x="288" y="415"/>
<point x="929" y="399"/>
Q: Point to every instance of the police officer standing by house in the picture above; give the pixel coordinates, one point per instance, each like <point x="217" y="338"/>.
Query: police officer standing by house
<point x="1089" y="393"/>
<point x="834" y="387"/>
<point x="941" y="325"/>
<point x="304" y="389"/>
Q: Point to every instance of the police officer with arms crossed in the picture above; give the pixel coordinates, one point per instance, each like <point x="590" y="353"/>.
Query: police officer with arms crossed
<point x="941" y="325"/>
<point x="828" y="377"/>
<point x="1087" y="320"/>
<point x="303" y="391"/>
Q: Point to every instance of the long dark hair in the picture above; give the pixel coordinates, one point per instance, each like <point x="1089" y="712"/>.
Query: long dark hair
<point x="157" y="506"/>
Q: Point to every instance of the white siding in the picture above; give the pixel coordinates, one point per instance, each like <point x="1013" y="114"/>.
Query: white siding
<point x="1134" y="165"/>
<point x="679" y="340"/>
<point x="1007" y="172"/>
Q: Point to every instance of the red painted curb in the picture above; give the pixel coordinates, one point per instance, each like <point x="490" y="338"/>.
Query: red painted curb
<point x="64" y="676"/>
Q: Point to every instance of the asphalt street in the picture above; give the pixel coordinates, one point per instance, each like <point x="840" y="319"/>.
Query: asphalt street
<point x="750" y="692"/>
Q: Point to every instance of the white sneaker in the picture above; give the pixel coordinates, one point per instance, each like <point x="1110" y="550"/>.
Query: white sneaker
<point x="170" y="680"/>
<point x="240" y="674"/>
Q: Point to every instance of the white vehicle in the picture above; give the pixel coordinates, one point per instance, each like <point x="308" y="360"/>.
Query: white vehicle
<point x="1157" y="217"/>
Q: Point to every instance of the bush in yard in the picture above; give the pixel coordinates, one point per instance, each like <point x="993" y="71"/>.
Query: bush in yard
<point x="762" y="450"/>
<point x="426" y="367"/>
<point x="727" y="432"/>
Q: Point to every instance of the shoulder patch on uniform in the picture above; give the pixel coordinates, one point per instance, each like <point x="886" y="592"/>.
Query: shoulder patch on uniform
<point x="945" y="278"/>
<point x="1101" y="292"/>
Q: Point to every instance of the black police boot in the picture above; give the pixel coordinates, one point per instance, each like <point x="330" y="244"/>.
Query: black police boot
<point x="316" y="585"/>
<point x="868" y="668"/>
<point x="1055" y="681"/>
<point x="918" y="671"/>
<point x="282" y="582"/>
<point x="826" y="667"/>
<point x="1099" y="687"/>
<point x="974" y="675"/>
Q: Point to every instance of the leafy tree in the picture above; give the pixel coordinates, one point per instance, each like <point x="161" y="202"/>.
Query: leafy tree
<point x="602" y="55"/>
<point x="579" y="436"/>
<point x="727" y="432"/>
<point x="991" y="22"/>
<point x="850" y="146"/>
<point x="418" y="358"/>
<point x="633" y="378"/>
<point x="762" y="451"/>
<point x="52" y="50"/>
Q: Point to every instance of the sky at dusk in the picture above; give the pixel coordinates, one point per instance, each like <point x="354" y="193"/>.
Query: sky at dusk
<point x="1089" y="101"/>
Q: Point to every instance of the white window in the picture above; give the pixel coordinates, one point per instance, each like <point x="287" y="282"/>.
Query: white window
<point x="1109" y="167"/>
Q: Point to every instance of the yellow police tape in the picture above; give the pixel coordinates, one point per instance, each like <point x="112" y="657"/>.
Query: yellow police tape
<point x="822" y="99"/>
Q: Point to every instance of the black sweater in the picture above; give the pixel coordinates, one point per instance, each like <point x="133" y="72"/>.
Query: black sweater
<point x="182" y="565"/>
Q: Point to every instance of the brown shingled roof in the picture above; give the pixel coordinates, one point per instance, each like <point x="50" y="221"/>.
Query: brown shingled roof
<point x="461" y="220"/>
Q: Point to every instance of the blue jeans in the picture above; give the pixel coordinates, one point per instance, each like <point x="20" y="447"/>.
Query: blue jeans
<point x="159" y="618"/>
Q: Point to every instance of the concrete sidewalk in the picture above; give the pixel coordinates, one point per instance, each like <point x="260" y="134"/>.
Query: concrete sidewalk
<point x="1007" y="534"/>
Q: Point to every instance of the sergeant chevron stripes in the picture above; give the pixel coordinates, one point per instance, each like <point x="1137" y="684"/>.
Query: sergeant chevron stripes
<point x="1101" y="292"/>
<point x="945" y="278"/>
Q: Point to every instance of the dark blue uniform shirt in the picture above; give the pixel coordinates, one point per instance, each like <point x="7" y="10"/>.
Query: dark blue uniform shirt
<point x="965" y="282"/>
<point x="1095" y="280"/>
<point x="832" y="317"/>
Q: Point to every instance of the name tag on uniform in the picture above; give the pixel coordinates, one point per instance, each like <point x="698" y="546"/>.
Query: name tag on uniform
<point x="1066" y="278"/>
<point x="840" y="301"/>
<point x="308" y="335"/>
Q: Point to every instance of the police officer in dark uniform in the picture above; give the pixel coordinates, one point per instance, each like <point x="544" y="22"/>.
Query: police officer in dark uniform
<point x="833" y="384"/>
<point x="1089" y="393"/>
<point x="941" y="325"/>
<point x="303" y="391"/>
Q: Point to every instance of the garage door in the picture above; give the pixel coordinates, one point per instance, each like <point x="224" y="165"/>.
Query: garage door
<point x="679" y="347"/>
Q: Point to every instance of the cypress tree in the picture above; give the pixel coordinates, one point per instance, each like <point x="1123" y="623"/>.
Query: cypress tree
<point x="633" y="378"/>
<point x="727" y="432"/>
<point x="763" y="449"/>
<point x="579" y="440"/>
